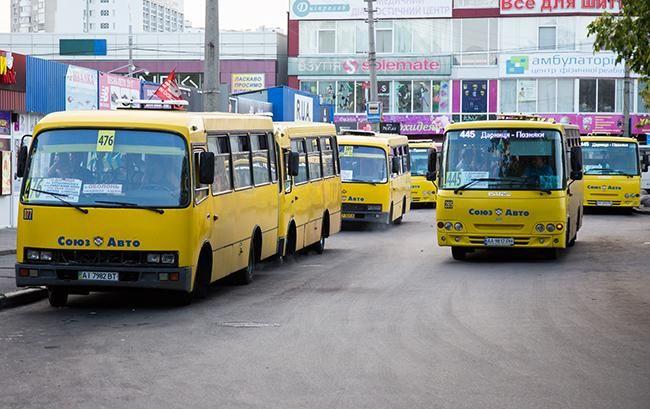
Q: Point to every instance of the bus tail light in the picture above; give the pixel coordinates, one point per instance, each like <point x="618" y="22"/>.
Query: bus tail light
<point x="23" y="272"/>
<point x="174" y="276"/>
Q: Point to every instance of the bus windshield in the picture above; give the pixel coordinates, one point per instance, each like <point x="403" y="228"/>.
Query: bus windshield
<point x="419" y="161"/>
<point x="363" y="164"/>
<point x="610" y="158"/>
<point x="90" y="167"/>
<point x="512" y="159"/>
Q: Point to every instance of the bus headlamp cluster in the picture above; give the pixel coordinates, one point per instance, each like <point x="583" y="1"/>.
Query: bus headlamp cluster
<point x="36" y="255"/>
<point x="458" y="226"/>
<point x="157" y="258"/>
<point x="540" y="228"/>
<point x="374" y="208"/>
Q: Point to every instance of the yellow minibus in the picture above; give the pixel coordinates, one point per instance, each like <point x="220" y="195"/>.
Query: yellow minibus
<point x="422" y="189"/>
<point x="612" y="168"/>
<point x="509" y="183"/>
<point x="153" y="199"/>
<point x="310" y="201"/>
<point x="376" y="178"/>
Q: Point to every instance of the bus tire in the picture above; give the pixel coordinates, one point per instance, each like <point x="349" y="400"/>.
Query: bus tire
<point x="203" y="275"/>
<point x="570" y="242"/>
<point x="552" y="254"/>
<point x="246" y="275"/>
<point x="290" y="247"/>
<point x="319" y="246"/>
<point x="58" y="297"/>
<point x="459" y="253"/>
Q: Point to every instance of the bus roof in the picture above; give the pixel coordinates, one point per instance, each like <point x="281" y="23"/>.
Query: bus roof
<point x="376" y="140"/>
<point x="610" y="138"/>
<point x="507" y="124"/>
<point x="422" y="143"/>
<point x="181" y="122"/>
<point x="294" y="129"/>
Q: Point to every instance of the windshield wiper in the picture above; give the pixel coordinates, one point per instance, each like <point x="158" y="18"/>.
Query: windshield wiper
<point x="130" y="205"/>
<point x="60" y="196"/>
<point x="360" y="181"/>
<point x="618" y="172"/>
<point x="475" y="180"/>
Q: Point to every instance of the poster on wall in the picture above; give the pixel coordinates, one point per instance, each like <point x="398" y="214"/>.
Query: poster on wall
<point x="80" y="89"/>
<point x="560" y="65"/>
<point x="303" y="108"/>
<point x="6" y="173"/>
<point x="247" y="82"/>
<point x="527" y="90"/>
<point x="115" y="87"/>
<point x="355" y="9"/>
<point x="5" y="123"/>
<point x="474" y="96"/>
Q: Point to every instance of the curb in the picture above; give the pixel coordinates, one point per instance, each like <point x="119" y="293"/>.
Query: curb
<point x="7" y="252"/>
<point x="21" y="297"/>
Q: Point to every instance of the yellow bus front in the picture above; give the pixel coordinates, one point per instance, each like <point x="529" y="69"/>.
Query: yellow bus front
<point x="506" y="185"/>
<point x="612" y="172"/>
<point x="422" y="190"/>
<point x="106" y="204"/>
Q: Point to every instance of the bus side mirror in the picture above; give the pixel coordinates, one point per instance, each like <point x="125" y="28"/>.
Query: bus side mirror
<point x="206" y="168"/>
<point x="576" y="163"/>
<point x="645" y="163"/>
<point x="394" y="166"/>
<point x="294" y="163"/>
<point x="22" y="155"/>
<point x="432" y="168"/>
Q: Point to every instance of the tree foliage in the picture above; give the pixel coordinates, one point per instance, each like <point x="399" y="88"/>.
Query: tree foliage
<point x="628" y="36"/>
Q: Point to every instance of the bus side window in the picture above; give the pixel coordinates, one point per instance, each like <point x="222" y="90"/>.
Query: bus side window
<point x="260" y="150"/>
<point x="200" y="190"/>
<point x="335" y="150"/>
<point x="298" y="145"/>
<point x="272" y="158"/>
<point x="240" y="147"/>
<point x="222" y="172"/>
<point x="405" y="158"/>
<point x="313" y="156"/>
<point x="288" y="181"/>
<point x="328" y="156"/>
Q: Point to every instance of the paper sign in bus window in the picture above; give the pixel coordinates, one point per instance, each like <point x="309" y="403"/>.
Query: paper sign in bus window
<point x="105" y="141"/>
<point x="103" y="189"/>
<point x="67" y="189"/>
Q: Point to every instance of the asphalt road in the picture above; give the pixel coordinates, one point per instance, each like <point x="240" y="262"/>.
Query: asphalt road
<point x="384" y="319"/>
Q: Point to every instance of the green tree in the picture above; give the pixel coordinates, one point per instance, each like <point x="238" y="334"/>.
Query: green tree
<point x="628" y="36"/>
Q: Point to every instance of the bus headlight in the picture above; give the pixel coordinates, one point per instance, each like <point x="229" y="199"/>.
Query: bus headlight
<point x="153" y="258"/>
<point x="550" y="228"/>
<point x="46" y="255"/>
<point x="441" y="225"/>
<point x="33" y="255"/>
<point x="448" y="226"/>
<point x="168" y="258"/>
<point x="539" y="228"/>
<point x="458" y="226"/>
<point x="374" y="208"/>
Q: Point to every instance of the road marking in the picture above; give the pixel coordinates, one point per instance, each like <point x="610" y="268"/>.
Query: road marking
<point x="247" y="324"/>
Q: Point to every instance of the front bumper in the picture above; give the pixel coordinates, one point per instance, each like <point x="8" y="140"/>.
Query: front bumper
<point x="129" y="277"/>
<point x="611" y="202"/>
<point x="365" y="217"/>
<point x="556" y="240"/>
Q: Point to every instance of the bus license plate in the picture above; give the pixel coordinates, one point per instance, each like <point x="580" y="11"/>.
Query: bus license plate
<point x="499" y="241"/>
<point x="603" y="203"/>
<point x="348" y="215"/>
<point x="98" y="276"/>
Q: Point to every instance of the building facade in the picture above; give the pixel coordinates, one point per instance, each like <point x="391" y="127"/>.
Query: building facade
<point x="97" y="16"/>
<point x="442" y="60"/>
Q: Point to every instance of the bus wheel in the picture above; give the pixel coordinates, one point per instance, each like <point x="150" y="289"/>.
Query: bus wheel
<point x="459" y="253"/>
<point x="319" y="246"/>
<point x="552" y="254"/>
<point x="202" y="280"/>
<point x="246" y="275"/>
<point x="397" y="221"/>
<point x="58" y="297"/>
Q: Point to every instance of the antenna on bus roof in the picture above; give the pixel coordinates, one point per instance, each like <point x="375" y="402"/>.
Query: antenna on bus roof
<point x="125" y="103"/>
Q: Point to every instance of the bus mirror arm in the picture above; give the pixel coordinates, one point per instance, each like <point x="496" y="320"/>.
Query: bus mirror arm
<point x="432" y="166"/>
<point x="645" y="163"/>
<point x="22" y="156"/>
<point x="206" y="168"/>
<point x="576" y="163"/>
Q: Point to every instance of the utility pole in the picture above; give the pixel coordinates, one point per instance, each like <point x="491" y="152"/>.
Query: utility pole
<point x="131" y="66"/>
<point x="626" y="100"/>
<point x="372" y="56"/>
<point x="87" y="16"/>
<point x="211" y="59"/>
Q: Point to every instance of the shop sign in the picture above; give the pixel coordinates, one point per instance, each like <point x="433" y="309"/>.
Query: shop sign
<point x="114" y="87"/>
<point x="553" y="65"/>
<point x="356" y="66"/>
<point x="640" y="124"/>
<point x="5" y="123"/>
<point x="12" y="71"/>
<point x="303" y="108"/>
<point x="406" y="124"/>
<point x="390" y="127"/>
<point x="80" y="89"/>
<point x="356" y="9"/>
<point x="511" y="7"/>
<point x="590" y="123"/>
<point x="240" y="83"/>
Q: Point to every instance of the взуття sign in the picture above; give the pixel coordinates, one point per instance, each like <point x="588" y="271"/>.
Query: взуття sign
<point x="440" y="65"/>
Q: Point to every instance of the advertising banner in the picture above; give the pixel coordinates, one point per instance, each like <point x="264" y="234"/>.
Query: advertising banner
<point x="474" y="97"/>
<point x="589" y="123"/>
<point x="440" y="65"/>
<point x="114" y="87"/>
<point x="247" y="82"/>
<point x="554" y="65"/>
<point x="6" y="173"/>
<point x="12" y="71"/>
<point x="405" y="124"/>
<point x="512" y="7"/>
<point x="355" y="9"/>
<point x="5" y="123"/>
<point x="80" y="89"/>
<point x="303" y="108"/>
<point x="640" y="124"/>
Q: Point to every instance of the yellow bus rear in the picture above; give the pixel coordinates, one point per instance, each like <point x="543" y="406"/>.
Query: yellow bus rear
<point x="509" y="183"/>
<point x="612" y="169"/>
<point x="422" y="189"/>
<point x="310" y="201"/>
<point x="375" y="175"/>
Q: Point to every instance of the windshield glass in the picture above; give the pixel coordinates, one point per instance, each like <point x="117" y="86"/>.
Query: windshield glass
<point x="610" y="158"/>
<point x="362" y="164"/>
<point x="88" y="166"/>
<point x="513" y="159"/>
<point x="419" y="161"/>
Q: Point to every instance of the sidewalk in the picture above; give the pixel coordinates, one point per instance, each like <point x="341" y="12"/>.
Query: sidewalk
<point x="7" y="241"/>
<point x="10" y="295"/>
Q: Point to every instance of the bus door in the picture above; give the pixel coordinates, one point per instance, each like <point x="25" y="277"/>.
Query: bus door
<point x="202" y="205"/>
<point x="298" y="193"/>
<point x="316" y="193"/>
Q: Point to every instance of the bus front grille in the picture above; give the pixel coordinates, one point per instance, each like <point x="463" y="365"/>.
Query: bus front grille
<point x="104" y="258"/>
<point x="359" y="207"/>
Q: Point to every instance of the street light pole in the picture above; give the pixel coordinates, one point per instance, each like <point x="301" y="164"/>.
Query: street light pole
<point x="131" y="66"/>
<point x="211" y="60"/>
<point x="626" y="101"/>
<point x="372" y="56"/>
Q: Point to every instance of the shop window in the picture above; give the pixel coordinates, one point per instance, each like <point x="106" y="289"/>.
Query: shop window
<point x="606" y="95"/>
<point x="641" y="104"/>
<point x="587" y="93"/>
<point x="471" y="44"/>
<point x="345" y="97"/>
<point x="404" y="36"/>
<point x="327" y="39"/>
<point x="546" y="100"/>
<point x="308" y="86"/>
<point x="383" y="92"/>
<point x="508" y="95"/>
<point x="384" y="36"/>
<point x="345" y="31"/>
<point x="565" y="95"/>
<point x="421" y="96"/>
<point x="362" y="37"/>
<point x="440" y="96"/>
<point x="547" y="38"/>
<point x="326" y="90"/>
<point x="403" y="96"/>
<point x="361" y="96"/>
